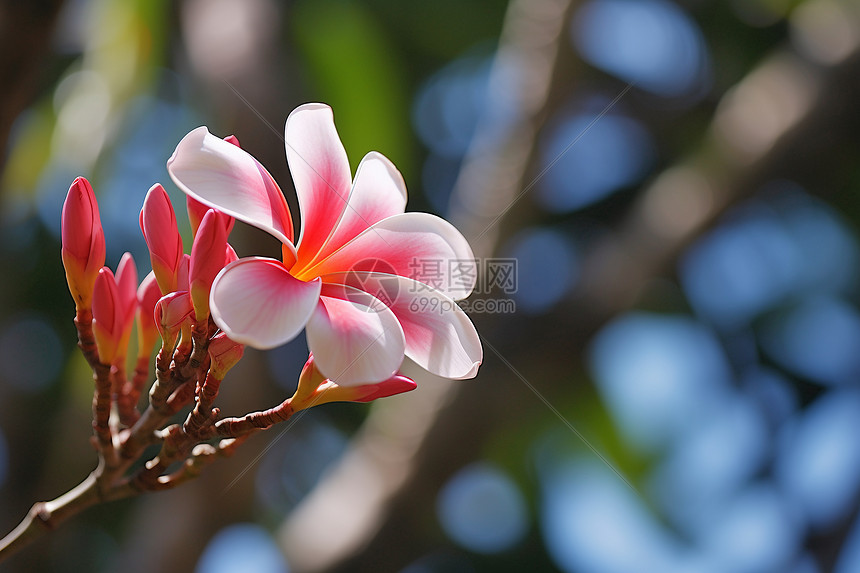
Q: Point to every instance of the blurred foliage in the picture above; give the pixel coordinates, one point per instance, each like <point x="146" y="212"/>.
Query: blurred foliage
<point x="358" y="69"/>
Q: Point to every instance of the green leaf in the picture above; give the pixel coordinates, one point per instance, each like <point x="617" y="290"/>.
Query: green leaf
<point x="355" y="68"/>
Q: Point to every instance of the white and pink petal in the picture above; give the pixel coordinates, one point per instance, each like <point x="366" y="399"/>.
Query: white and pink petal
<point x="321" y="174"/>
<point x="378" y="192"/>
<point x="355" y="339"/>
<point x="439" y="336"/>
<point x="419" y="246"/>
<point x="227" y="178"/>
<point x="257" y="302"/>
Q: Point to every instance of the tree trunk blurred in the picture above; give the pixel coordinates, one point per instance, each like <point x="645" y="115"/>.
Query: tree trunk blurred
<point x="26" y="29"/>
<point x="529" y="360"/>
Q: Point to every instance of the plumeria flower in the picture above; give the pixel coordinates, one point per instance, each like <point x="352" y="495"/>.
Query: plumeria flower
<point x="369" y="282"/>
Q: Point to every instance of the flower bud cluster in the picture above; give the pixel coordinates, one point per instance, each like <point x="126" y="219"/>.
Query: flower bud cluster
<point x="173" y="296"/>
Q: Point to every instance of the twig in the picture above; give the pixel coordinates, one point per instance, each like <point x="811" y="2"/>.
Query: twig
<point x="46" y="516"/>
<point x="172" y="390"/>
<point x="102" y="379"/>
<point x="255" y="421"/>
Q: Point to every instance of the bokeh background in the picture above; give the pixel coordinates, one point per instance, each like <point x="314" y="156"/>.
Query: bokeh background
<point x="678" y="181"/>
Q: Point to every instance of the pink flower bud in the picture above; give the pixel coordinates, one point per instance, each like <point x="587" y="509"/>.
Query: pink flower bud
<point x="170" y="312"/>
<point x="107" y="316"/>
<point x="196" y="212"/>
<point x="309" y="382"/>
<point x="207" y="259"/>
<point x="313" y="390"/>
<point x="83" y="249"/>
<point x="126" y="282"/>
<point x="397" y="384"/>
<point x="158" y="223"/>
<point x="230" y="256"/>
<point x="224" y="354"/>
<point x="148" y="295"/>
<point x="182" y="273"/>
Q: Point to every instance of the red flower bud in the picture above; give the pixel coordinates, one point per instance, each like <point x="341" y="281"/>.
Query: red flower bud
<point x="230" y="256"/>
<point x="83" y="249"/>
<point x="224" y="354"/>
<point x="196" y="212"/>
<point x="207" y="259"/>
<point x="107" y="316"/>
<point x="126" y="282"/>
<point x="148" y="295"/>
<point x="182" y="273"/>
<point x="170" y="312"/>
<point x="397" y="384"/>
<point x="314" y="390"/>
<point x="158" y="223"/>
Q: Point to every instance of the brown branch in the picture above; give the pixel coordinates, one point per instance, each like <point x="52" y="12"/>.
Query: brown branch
<point x="201" y="456"/>
<point x="48" y="515"/>
<point x="102" y="378"/>
<point x="86" y="340"/>
<point x="172" y="390"/>
<point x="101" y="411"/>
<point x="203" y="416"/>
<point x="179" y="441"/>
<point x="255" y="421"/>
<point x="130" y="392"/>
<point x="141" y="376"/>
